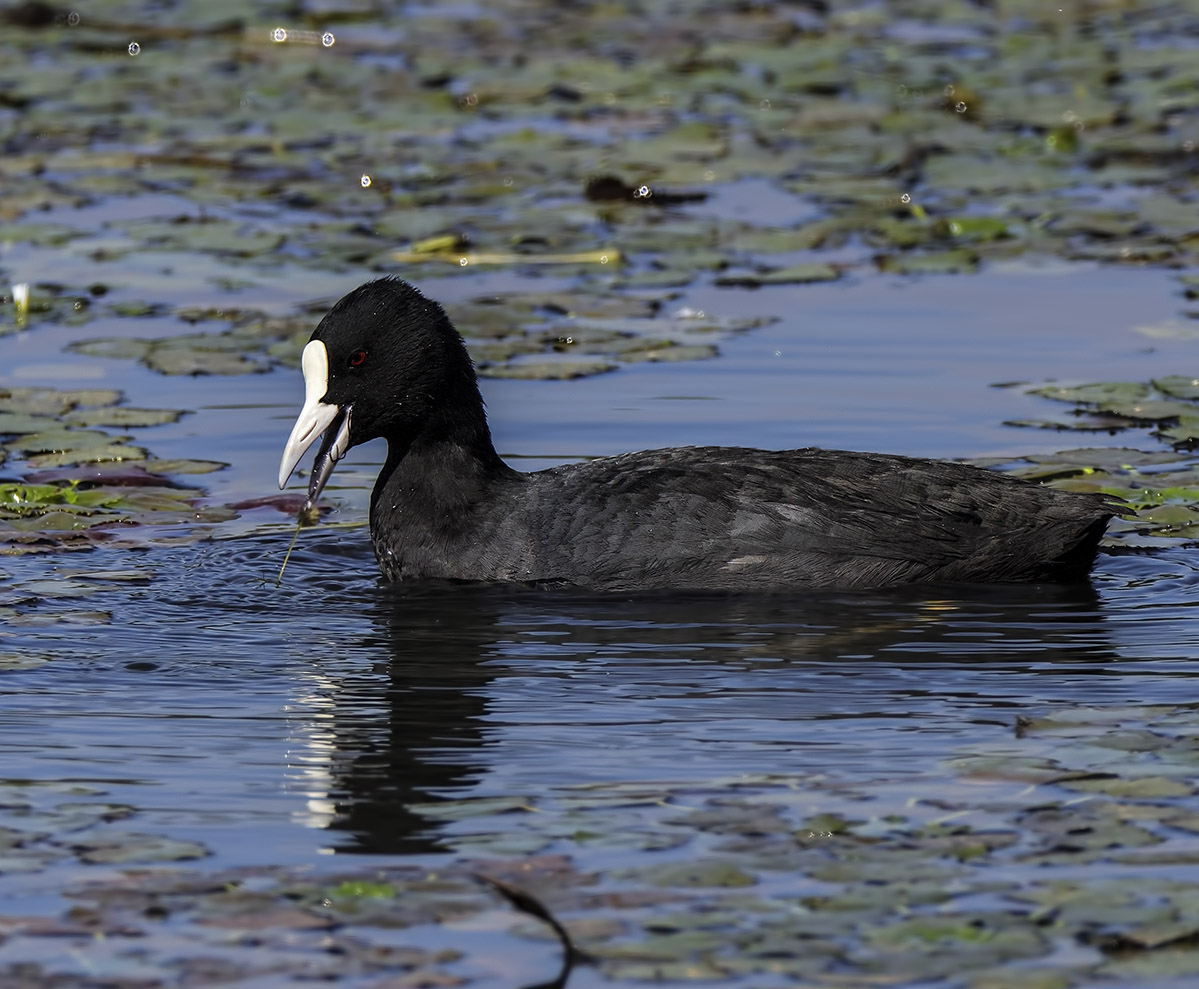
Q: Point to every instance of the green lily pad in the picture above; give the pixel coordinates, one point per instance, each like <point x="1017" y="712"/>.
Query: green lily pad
<point x="14" y="423"/>
<point x="797" y="274"/>
<point x="951" y="262"/>
<point x="121" y="416"/>
<point x="1179" y="386"/>
<point x="127" y="348"/>
<point x="115" y="849"/>
<point x="1143" y="788"/>
<point x="1123" y="393"/>
<point x="697" y="875"/>
<point x="547" y="371"/>
<point x="52" y="401"/>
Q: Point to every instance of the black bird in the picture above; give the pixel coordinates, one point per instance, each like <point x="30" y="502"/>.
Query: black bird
<point x="386" y="361"/>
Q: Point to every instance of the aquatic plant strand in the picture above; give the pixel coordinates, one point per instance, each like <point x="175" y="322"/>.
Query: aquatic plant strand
<point x="290" y="546"/>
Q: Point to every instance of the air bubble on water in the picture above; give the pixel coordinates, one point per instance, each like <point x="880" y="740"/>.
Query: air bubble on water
<point x="765" y="105"/>
<point x="279" y="35"/>
<point x="603" y="259"/>
<point x="134" y="48"/>
<point x="73" y="18"/>
<point x="643" y="192"/>
<point x="1188" y="145"/>
<point x="463" y="262"/>
<point x="327" y="39"/>
<point x="960" y="107"/>
<point x="508" y="181"/>
<point x="905" y="198"/>
<point x="949" y="90"/>
<point x="366" y="181"/>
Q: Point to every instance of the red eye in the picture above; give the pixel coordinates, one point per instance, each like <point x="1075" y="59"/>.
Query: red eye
<point x="358" y="358"/>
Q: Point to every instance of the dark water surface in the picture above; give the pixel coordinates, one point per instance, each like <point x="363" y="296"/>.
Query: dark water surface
<point x="306" y="718"/>
<point x="171" y="717"/>
<point x="333" y="714"/>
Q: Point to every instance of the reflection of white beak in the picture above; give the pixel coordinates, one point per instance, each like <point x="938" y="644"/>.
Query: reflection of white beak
<point x="314" y="418"/>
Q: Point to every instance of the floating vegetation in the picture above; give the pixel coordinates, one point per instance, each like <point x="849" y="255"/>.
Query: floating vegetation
<point x="803" y="877"/>
<point x="390" y="150"/>
<point x="601" y="149"/>
<point x="83" y="485"/>
<point x="508" y="336"/>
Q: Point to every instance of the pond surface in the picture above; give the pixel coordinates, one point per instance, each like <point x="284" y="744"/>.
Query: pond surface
<point x="187" y="699"/>
<point x="775" y="225"/>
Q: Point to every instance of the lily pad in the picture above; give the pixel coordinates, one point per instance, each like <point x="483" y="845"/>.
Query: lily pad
<point x="951" y="262"/>
<point x="798" y="274"/>
<point x="547" y="371"/>
<point x="121" y="417"/>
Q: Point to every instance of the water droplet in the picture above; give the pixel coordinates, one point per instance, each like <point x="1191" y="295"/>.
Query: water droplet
<point x="279" y="35"/>
<point x="960" y="107"/>
<point x="709" y="175"/>
<point x="901" y="90"/>
<point x="463" y="262"/>
<point x="134" y="48"/>
<point x="765" y="104"/>
<point x="948" y="90"/>
<point x="470" y="99"/>
<point x="73" y="18"/>
<point x="643" y="192"/>
<point x="603" y="259"/>
<point x="327" y="39"/>
<point x="508" y="181"/>
<point x="905" y="198"/>
<point x="366" y="181"/>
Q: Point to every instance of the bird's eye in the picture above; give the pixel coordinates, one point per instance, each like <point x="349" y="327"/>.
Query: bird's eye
<point x="358" y="358"/>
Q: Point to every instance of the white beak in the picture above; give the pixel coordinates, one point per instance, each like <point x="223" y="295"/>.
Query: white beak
<point x="315" y="416"/>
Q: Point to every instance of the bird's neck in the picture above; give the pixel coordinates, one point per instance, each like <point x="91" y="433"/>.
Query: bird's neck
<point x="450" y="464"/>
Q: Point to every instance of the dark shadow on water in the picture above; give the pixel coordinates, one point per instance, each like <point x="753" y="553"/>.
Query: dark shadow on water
<point x="417" y="725"/>
<point x="343" y="704"/>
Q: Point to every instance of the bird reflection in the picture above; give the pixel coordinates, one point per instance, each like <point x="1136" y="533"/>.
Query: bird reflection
<point x="414" y="720"/>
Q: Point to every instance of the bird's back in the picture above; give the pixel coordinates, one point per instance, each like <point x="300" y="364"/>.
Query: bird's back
<point x="729" y="517"/>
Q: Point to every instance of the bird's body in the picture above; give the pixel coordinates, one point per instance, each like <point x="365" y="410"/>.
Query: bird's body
<point x="387" y="362"/>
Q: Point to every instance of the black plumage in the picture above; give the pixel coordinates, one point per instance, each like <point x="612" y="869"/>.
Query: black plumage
<point x="446" y="506"/>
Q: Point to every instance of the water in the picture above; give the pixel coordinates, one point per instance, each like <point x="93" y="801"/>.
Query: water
<point x="322" y="719"/>
<point x="308" y="716"/>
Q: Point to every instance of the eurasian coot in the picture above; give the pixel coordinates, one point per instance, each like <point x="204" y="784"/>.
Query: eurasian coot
<point x="387" y="362"/>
